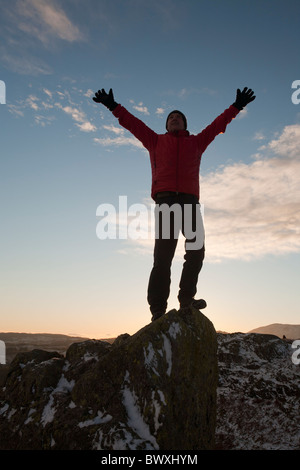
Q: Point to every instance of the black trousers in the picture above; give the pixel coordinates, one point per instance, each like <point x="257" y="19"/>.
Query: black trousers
<point x="187" y="219"/>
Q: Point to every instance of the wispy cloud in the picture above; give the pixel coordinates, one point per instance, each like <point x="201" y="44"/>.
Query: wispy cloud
<point x="123" y="138"/>
<point x="160" y="111"/>
<point x="140" y="107"/>
<point x="50" y="101"/>
<point x="89" y="93"/>
<point x="259" y="136"/>
<point x="78" y="116"/>
<point x="45" y="20"/>
<point x="48" y="92"/>
<point x="114" y="129"/>
<point x="29" y="24"/>
<point x="32" y="101"/>
<point x="25" y="64"/>
<point x="73" y="109"/>
<point x="118" y="141"/>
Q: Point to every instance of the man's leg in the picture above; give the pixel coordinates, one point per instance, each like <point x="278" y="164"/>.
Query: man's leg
<point x="193" y="257"/>
<point x="160" y="277"/>
<point x="189" y="277"/>
<point x="166" y="238"/>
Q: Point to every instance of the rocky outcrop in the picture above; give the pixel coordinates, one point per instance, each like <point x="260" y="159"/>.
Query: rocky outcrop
<point x="156" y="390"/>
<point x="153" y="390"/>
<point x="258" y="404"/>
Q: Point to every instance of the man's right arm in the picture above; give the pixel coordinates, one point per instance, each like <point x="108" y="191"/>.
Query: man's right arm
<point x="137" y="127"/>
<point x="127" y="120"/>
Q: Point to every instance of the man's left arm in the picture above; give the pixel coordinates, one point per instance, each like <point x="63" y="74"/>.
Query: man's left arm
<point x="218" y="126"/>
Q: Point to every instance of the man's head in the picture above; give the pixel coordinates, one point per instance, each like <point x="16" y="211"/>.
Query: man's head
<point x="176" y="121"/>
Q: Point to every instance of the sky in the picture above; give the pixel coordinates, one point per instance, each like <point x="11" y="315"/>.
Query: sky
<point x="64" y="158"/>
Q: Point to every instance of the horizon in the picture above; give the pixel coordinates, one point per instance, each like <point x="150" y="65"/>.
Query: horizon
<point x="64" y="156"/>
<point x="74" y="335"/>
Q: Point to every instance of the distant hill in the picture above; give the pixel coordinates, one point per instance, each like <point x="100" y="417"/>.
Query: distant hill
<point x="22" y="342"/>
<point x="280" y="330"/>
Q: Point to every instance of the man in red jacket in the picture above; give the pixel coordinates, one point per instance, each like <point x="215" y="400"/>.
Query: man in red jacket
<point x="175" y="162"/>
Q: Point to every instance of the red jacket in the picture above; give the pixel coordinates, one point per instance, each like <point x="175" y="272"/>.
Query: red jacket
<point x="175" y="158"/>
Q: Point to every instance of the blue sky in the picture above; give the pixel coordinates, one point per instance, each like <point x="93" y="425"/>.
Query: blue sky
<point x="62" y="156"/>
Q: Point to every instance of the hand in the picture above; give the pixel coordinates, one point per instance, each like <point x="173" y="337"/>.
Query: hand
<point x="106" y="99"/>
<point x="243" y="98"/>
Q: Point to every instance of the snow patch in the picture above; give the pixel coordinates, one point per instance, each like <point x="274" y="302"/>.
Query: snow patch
<point x="48" y="412"/>
<point x="101" y="418"/>
<point x="63" y="386"/>
<point x="135" y="418"/>
<point x="4" y="409"/>
<point x="157" y="408"/>
<point x="150" y="358"/>
<point x="174" y="330"/>
<point x="168" y="351"/>
<point x="29" y="417"/>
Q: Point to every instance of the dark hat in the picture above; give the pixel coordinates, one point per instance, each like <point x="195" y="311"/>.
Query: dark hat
<point x="179" y="112"/>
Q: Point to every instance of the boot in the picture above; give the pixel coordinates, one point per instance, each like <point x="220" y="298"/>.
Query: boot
<point x="198" y="304"/>
<point x="157" y="315"/>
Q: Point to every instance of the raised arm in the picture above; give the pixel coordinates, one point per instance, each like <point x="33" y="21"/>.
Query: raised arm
<point x="218" y="126"/>
<point x="134" y="125"/>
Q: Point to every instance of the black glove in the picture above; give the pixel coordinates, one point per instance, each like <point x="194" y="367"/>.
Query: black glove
<point x="243" y="98"/>
<point x="107" y="99"/>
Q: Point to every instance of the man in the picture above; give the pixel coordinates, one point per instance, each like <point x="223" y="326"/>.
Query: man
<point x="175" y="161"/>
